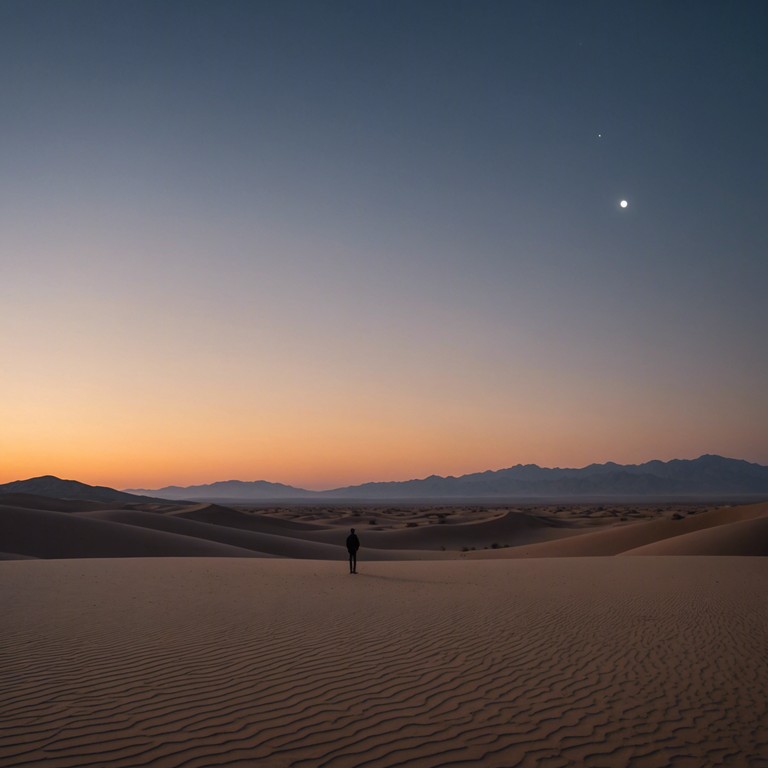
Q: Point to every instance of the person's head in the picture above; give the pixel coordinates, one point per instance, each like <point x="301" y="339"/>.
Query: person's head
<point x="352" y="530"/>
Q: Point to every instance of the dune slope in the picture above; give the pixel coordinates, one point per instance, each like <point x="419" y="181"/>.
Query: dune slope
<point x="512" y="528"/>
<point x="47" y="534"/>
<point x="622" y="538"/>
<point x="268" y="543"/>
<point x="217" y="514"/>
<point x="744" y="538"/>
<point x="34" y="501"/>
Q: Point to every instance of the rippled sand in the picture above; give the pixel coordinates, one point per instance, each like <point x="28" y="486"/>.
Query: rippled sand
<point x="641" y="661"/>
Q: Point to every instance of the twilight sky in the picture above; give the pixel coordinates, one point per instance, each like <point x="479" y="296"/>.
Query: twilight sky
<point x="329" y="242"/>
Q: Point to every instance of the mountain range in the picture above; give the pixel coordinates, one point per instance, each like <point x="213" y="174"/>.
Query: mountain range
<point x="707" y="475"/>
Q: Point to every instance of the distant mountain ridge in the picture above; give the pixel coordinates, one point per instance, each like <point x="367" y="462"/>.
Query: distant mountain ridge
<point x="54" y="487"/>
<point x="229" y="489"/>
<point x="706" y="475"/>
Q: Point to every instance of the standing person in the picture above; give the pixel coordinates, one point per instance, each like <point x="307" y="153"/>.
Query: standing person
<point x="353" y="544"/>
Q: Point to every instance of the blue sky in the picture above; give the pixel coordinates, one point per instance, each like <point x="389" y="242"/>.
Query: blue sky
<point x="335" y="241"/>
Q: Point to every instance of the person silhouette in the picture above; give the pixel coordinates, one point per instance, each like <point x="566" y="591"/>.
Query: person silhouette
<point x="353" y="544"/>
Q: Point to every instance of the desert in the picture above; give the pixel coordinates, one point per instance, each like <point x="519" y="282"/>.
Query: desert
<point x="382" y="384"/>
<point x="501" y="635"/>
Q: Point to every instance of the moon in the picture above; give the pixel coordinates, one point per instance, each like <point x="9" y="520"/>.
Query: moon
<point x="623" y="203"/>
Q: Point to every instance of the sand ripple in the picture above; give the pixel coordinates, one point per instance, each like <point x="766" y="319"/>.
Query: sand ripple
<point x="197" y="663"/>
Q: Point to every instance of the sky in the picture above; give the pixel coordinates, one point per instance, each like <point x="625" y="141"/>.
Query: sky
<point x="323" y="243"/>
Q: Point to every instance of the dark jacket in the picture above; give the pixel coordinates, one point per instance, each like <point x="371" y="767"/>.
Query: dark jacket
<point x="353" y="543"/>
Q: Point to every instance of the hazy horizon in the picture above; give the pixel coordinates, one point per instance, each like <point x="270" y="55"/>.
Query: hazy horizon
<point x="397" y="479"/>
<point x="298" y="486"/>
<point x="331" y="243"/>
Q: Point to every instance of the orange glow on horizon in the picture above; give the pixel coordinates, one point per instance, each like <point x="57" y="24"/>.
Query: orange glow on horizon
<point x="311" y="461"/>
<point x="110" y="395"/>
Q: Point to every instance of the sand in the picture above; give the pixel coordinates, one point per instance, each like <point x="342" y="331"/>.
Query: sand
<point x="543" y="636"/>
<point x="34" y="527"/>
<point x="652" y="661"/>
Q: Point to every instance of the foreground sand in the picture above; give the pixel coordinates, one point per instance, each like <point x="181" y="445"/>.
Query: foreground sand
<point x="641" y="661"/>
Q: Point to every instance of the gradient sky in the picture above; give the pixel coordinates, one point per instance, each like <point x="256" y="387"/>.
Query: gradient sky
<point x="329" y="242"/>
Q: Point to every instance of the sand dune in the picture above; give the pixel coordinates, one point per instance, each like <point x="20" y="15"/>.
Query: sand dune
<point x="617" y="539"/>
<point x="46" y="534"/>
<point x="265" y="543"/>
<point x="745" y="538"/>
<point x="511" y="527"/>
<point x="136" y="533"/>
<point x="249" y="521"/>
<point x="57" y="529"/>
<point x="594" y="662"/>
<point x="265" y="651"/>
<point x="34" y="501"/>
<point x="261" y="533"/>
